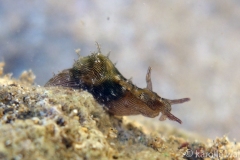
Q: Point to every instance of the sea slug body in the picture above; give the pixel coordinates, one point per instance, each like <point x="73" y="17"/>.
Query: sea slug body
<point x="99" y="76"/>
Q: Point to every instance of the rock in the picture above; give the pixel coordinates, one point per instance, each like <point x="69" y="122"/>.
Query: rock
<point x="59" y="123"/>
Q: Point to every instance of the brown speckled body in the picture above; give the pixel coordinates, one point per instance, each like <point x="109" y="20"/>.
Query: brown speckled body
<point x="99" y="76"/>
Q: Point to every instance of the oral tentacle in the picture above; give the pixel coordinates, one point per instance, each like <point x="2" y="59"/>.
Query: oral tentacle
<point x="172" y="117"/>
<point x="177" y="101"/>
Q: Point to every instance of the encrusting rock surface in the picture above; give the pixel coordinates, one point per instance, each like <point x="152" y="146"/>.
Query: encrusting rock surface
<point x="59" y="123"/>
